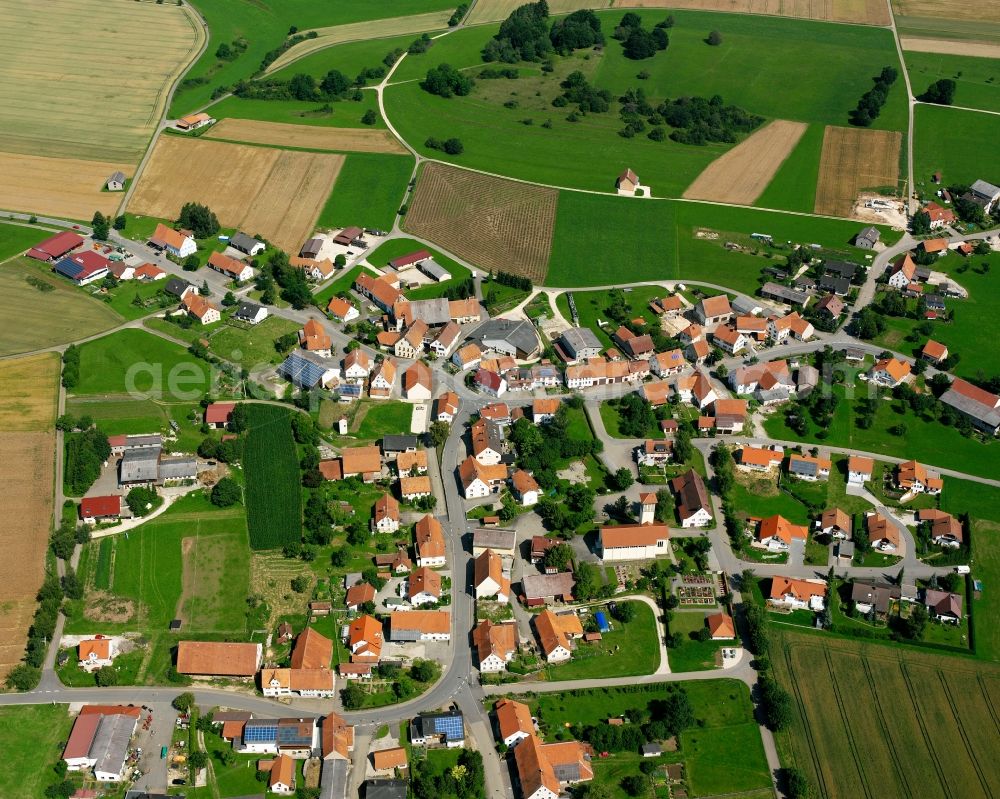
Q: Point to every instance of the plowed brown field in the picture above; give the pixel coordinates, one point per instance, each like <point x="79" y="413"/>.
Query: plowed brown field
<point x="281" y="134"/>
<point x="859" y="12"/>
<point x="741" y="175"/>
<point x="28" y="399"/>
<point x="492" y="223"/>
<point x="275" y="193"/>
<point x="854" y="159"/>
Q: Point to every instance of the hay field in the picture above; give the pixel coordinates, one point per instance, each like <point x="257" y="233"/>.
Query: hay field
<point x="947" y="9"/>
<point x="490" y="222"/>
<point x="361" y="31"/>
<point x="497" y="10"/>
<point x="280" y="134"/>
<point x="859" y="12"/>
<point x="81" y="79"/>
<point x="32" y="318"/>
<point x="934" y="719"/>
<point x="950" y="47"/>
<point x="275" y="193"/>
<point x="68" y="188"/>
<point x="740" y="175"/>
<point x="854" y="159"/>
<point x="28" y="399"/>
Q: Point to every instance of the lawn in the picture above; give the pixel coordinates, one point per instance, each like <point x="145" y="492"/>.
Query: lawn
<point x="15" y="239"/>
<point x="692" y="655"/>
<point x="39" y="309"/>
<point x="930" y="443"/>
<point x="833" y="66"/>
<point x="603" y="658"/>
<point x="961" y="145"/>
<point x="252" y="346"/>
<point x="591" y="305"/>
<point x="377" y="418"/>
<point x="914" y="703"/>
<point x="136" y="362"/>
<point x="32" y="736"/>
<point x="977" y="79"/>
<point x="964" y="334"/>
<point x="662" y="241"/>
<point x="394" y="248"/>
<point x="273" y="490"/>
<point x="370" y="183"/>
<point x="343" y="114"/>
<point x="263" y="28"/>
<point x="124" y="416"/>
<point x="760" y="498"/>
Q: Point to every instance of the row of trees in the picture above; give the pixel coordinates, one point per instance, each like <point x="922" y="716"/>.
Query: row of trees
<point x="871" y="102"/>
<point x="71" y="367"/>
<point x="86" y="452"/>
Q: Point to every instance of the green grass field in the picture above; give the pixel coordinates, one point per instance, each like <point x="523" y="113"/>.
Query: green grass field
<point x="264" y="28"/>
<point x="692" y="655"/>
<point x="793" y="186"/>
<point x="252" y="346"/>
<point x="929" y="442"/>
<point x="369" y="184"/>
<point x="382" y="418"/>
<point x="833" y="67"/>
<point x="977" y="79"/>
<point x="344" y="114"/>
<point x="136" y="361"/>
<point x="16" y="239"/>
<point x="847" y="694"/>
<point x="273" y="491"/>
<point x="124" y="416"/>
<point x="33" y="737"/>
<point x="342" y="284"/>
<point x="39" y="309"/>
<point x="590" y="307"/>
<point x="963" y="335"/>
<point x="722" y="752"/>
<point x="959" y="144"/>
<point x="394" y="248"/>
<point x="603" y="658"/>
<point x="662" y="243"/>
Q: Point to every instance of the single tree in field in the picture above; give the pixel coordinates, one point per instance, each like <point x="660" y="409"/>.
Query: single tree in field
<point x="714" y="38"/>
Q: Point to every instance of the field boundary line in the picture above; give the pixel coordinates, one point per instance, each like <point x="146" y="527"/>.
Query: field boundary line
<point x="965" y="736"/>
<point x="893" y="753"/>
<point x="923" y="730"/>
<point x="989" y="702"/>
<point x="806" y="726"/>
<point x="848" y="731"/>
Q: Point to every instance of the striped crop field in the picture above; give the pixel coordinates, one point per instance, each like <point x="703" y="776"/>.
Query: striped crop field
<point x="273" y="493"/>
<point x="879" y="721"/>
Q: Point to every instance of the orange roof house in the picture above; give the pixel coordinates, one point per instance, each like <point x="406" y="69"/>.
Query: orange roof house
<point x="213" y="658"/>
<point x="336" y="738"/>
<point x="778" y="528"/>
<point x="95" y="649"/>
<point x="385" y="759"/>
<point x="429" y="540"/>
<point x="312" y="337"/>
<point x="534" y="771"/>
<point x="934" y="351"/>
<point x="312" y="651"/>
<point x="721" y="626"/>
<point x="364" y="637"/>
<point x="554" y="632"/>
<point x="513" y="720"/>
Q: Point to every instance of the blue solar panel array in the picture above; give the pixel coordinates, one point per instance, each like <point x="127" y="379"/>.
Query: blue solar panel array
<point x="450" y="726"/>
<point x="300" y="371"/>
<point x="260" y="732"/>
<point x="289" y="734"/>
<point x="68" y="268"/>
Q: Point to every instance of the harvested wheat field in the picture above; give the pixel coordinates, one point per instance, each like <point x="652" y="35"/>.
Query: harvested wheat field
<point x="950" y="47"/>
<point x="741" y="175"/>
<point x="281" y="134"/>
<point x="492" y="223"/>
<point x="948" y="9"/>
<point x="79" y="78"/>
<point x="28" y="399"/>
<point x="859" y="12"/>
<point x="854" y="159"/>
<point x="497" y="10"/>
<point x="361" y="31"/>
<point x="67" y="188"/>
<point x="276" y="193"/>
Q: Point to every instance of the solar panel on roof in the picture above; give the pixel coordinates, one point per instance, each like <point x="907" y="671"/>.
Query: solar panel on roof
<point x="259" y="733"/>
<point x="301" y="372"/>
<point x="449" y="726"/>
<point x="68" y="268"/>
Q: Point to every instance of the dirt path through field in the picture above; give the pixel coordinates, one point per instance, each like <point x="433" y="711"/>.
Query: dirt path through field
<point x="741" y="175"/>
